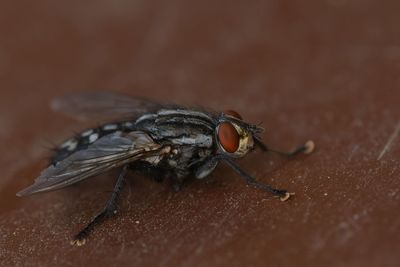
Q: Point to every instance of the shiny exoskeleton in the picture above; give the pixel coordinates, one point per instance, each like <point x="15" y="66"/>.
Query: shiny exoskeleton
<point x="173" y="141"/>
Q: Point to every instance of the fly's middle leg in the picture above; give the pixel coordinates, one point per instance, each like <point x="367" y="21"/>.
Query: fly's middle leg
<point x="176" y="182"/>
<point x="108" y="211"/>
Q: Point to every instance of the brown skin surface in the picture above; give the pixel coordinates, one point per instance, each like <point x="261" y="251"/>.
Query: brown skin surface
<point x="321" y="70"/>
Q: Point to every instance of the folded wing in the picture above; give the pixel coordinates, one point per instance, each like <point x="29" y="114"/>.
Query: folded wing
<point x="103" y="105"/>
<point x="108" y="152"/>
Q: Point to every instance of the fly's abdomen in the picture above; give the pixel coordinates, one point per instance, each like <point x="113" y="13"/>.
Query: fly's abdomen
<point x="86" y="138"/>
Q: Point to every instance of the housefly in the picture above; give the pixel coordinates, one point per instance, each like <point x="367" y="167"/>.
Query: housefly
<point x="172" y="141"/>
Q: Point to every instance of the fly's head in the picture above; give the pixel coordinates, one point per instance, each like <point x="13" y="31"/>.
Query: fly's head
<point x="235" y="138"/>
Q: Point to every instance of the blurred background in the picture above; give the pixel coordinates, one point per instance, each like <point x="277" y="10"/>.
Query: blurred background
<point x="321" y="70"/>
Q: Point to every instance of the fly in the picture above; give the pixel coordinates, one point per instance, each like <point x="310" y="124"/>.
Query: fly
<point x="170" y="141"/>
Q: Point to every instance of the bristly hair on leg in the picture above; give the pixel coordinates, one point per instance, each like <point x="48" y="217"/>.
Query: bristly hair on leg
<point x="49" y="145"/>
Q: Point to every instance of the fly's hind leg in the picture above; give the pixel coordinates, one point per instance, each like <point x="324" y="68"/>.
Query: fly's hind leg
<point x="109" y="210"/>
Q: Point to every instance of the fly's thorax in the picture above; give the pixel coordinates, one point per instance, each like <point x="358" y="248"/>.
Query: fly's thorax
<point x="179" y="127"/>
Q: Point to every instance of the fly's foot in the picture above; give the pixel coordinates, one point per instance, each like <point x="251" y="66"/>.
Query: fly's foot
<point x="309" y="147"/>
<point x="286" y="196"/>
<point x="78" y="241"/>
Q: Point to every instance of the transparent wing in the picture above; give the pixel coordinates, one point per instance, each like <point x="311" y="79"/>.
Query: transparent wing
<point x="108" y="152"/>
<point x="103" y="105"/>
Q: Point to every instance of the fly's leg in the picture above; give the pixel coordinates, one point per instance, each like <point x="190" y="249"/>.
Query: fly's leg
<point x="109" y="210"/>
<point x="157" y="174"/>
<point x="176" y="182"/>
<point x="307" y="148"/>
<point x="282" y="194"/>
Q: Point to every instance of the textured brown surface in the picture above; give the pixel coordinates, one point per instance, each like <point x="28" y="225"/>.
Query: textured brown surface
<point x="321" y="70"/>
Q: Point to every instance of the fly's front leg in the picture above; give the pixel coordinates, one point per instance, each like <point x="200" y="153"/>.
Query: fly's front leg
<point x="282" y="194"/>
<point x="109" y="210"/>
<point x="307" y="148"/>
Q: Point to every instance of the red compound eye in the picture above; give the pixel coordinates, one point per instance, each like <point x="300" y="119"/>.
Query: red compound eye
<point x="228" y="137"/>
<point x="233" y="114"/>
